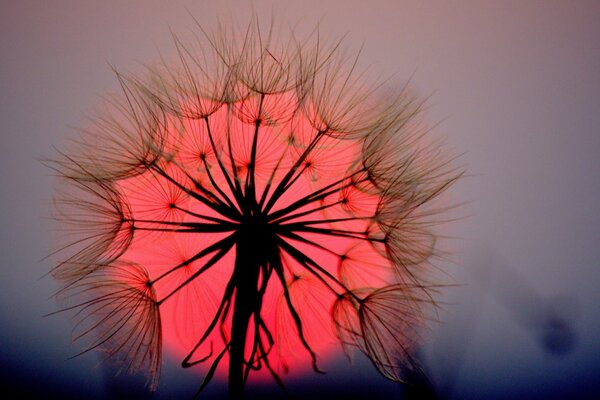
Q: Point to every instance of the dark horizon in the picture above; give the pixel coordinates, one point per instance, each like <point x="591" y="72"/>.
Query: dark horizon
<point x="514" y="89"/>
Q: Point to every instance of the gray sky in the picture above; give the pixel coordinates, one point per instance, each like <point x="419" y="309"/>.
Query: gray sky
<point x="515" y="88"/>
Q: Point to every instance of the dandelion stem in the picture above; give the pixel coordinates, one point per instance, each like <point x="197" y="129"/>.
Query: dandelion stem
<point x="221" y="226"/>
<point x="278" y="267"/>
<point x="292" y="235"/>
<point x="267" y="187"/>
<point x="221" y="311"/>
<point x="205" y="191"/>
<point x="298" y="226"/>
<point x="313" y="267"/>
<point x="251" y="187"/>
<point x="280" y="189"/>
<point x="314" y="196"/>
<point x="225" y="245"/>
<point x="234" y="167"/>
<point x="237" y="192"/>
<point x="308" y="212"/>
<point x="330" y="221"/>
<point x="212" y="370"/>
<point x="221" y="209"/>
<point x="201" y="216"/>
<point x="249" y="260"/>
<point x="303" y="260"/>
<point x="214" y="184"/>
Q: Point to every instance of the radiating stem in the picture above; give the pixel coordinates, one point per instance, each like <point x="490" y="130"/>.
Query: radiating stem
<point x="235" y="190"/>
<point x="251" y="187"/>
<point x="280" y="189"/>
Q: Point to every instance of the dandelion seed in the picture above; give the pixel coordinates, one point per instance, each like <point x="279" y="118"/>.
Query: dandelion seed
<point x="248" y="206"/>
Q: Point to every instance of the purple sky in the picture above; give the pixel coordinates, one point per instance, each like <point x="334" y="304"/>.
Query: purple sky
<point x="516" y="88"/>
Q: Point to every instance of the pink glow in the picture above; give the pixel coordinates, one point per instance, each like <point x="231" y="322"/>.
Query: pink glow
<point x="283" y="137"/>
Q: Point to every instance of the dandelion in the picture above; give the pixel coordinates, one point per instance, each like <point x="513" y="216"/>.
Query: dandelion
<point x="247" y="206"/>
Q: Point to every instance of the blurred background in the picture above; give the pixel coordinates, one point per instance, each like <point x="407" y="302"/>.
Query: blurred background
<point x="515" y="88"/>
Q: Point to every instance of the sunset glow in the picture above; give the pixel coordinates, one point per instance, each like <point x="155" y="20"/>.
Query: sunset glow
<point x="254" y="210"/>
<point x="160" y="199"/>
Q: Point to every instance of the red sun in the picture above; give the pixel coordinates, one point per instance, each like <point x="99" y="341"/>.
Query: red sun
<point x="301" y="179"/>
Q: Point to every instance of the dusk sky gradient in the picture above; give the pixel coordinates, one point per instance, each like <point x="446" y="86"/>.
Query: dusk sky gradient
<point x="513" y="86"/>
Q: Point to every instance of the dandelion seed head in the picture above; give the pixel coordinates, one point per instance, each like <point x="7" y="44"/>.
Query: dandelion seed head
<point x="251" y="205"/>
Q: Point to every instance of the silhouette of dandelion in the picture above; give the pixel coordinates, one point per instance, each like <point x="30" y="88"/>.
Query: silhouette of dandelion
<point x="246" y="205"/>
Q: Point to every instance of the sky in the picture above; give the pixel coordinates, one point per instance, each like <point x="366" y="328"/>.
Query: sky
<point x="513" y="87"/>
